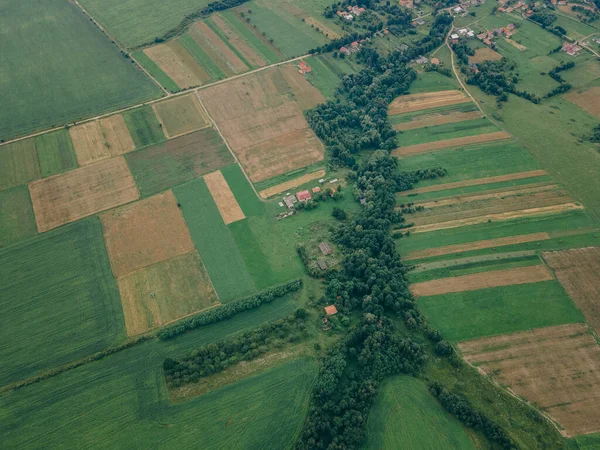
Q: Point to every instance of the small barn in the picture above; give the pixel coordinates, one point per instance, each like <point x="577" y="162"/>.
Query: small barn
<point x="303" y="196"/>
<point x="325" y="248"/>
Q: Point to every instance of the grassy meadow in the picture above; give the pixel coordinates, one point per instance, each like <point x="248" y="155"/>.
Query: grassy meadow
<point x="144" y="127"/>
<point x="55" y="153"/>
<point x="18" y="163"/>
<point x="17" y="221"/>
<point x="446" y="131"/>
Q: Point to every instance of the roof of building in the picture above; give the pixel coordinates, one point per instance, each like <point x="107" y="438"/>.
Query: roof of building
<point x="316" y="189"/>
<point x="303" y="195"/>
<point x="325" y="248"/>
<point x="331" y="310"/>
<point x="435" y="61"/>
<point x="322" y="264"/>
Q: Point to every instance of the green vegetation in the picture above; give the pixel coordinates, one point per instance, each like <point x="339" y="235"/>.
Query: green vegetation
<point x="203" y="59"/>
<point x="446" y="131"/>
<point x="47" y="81"/>
<point x="41" y="279"/>
<point x="442" y="110"/>
<point x="487" y="312"/>
<point x="432" y="82"/>
<point x="585" y="442"/>
<point x="144" y="127"/>
<point x="264" y="49"/>
<point x="18" y="163"/>
<point x="17" y="221"/>
<point x="242" y="191"/>
<point x="326" y="73"/>
<point x="406" y="416"/>
<point x="155" y="71"/>
<point x="55" y="152"/>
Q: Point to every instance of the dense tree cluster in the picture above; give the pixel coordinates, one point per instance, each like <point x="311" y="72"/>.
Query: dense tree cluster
<point x="546" y="19"/>
<point x="595" y="137"/>
<point x="555" y="74"/>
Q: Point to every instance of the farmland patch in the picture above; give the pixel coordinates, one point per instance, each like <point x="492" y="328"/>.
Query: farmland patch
<point x="223" y="197"/>
<point x="305" y="94"/>
<point x="449" y="143"/>
<point x="484" y="54"/>
<point x="81" y="192"/>
<point x="232" y="60"/>
<point x="588" y="100"/>
<point x="18" y="163"/>
<point x="117" y="135"/>
<point x="428" y="120"/>
<point x="178" y="64"/>
<point x="418" y="102"/>
<point x="89" y="143"/>
<point x="143" y="126"/>
<point x="181" y="115"/>
<point x="237" y="42"/>
<point x="299" y="181"/>
<point x="16" y="215"/>
<point x="55" y="152"/>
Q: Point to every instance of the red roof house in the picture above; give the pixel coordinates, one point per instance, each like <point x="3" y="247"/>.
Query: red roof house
<point x="330" y="310"/>
<point x="303" y="196"/>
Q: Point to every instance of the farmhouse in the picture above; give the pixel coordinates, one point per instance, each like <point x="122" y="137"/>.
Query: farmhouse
<point x="331" y="310"/>
<point x="571" y="49"/>
<point x="289" y="201"/>
<point x="303" y="196"/>
<point x="435" y="61"/>
<point x="345" y="51"/>
<point x="304" y="68"/>
<point x="316" y="190"/>
<point x="325" y="248"/>
<point x="422" y="60"/>
<point x="322" y="264"/>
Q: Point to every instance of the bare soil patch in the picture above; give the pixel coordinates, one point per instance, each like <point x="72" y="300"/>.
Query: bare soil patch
<point x="89" y="143"/>
<point x="180" y="115"/>
<point x="484" y="54"/>
<point x="588" y="100"/>
<point x="484" y="280"/>
<point x="556" y="368"/>
<point x="223" y="197"/>
<point x="418" y="102"/>
<point x="305" y="94"/>
<point x="477" y="182"/>
<point x="578" y="270"/>
<point x="236" y="64"/>
<point x="81" y="192"/>
<point x="117" y="135"/>
<point x="240" y="44"/>
<point x="478" y="245"/>
<point x="449" y="143"/>
<point x="430" y="120"/>
<point x="515" y="44"/>
<point x="178" y="64"/>
<point x="282" y="187"/>
<point x="164" y="292"/>
<point x="144" y="233"/>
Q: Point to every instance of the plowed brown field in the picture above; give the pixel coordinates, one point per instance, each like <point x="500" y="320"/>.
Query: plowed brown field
<point x="588" y="100"/>
<point x="449" y="143"/>
<point x="89" y="143"/>
<point x="418" y="102"/>
<point x="221" y="193"/>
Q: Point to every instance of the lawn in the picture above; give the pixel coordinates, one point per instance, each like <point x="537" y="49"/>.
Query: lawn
<point x="55" y="152"/>
<point x="59" y="300"/>
<point x="17" y="221"/>
<point x="488" y="312"/>
<point x="406" y="416"/>
<point x="47" y="81"/>
<point x="446" y="131"/>
<point x="143" y="126"/>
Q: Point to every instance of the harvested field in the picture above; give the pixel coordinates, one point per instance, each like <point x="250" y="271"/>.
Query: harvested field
<point x="484" y="54"/>
<point x="117" y="135"/>
<point x="497" y="217"/>
<point x="144" y="233"/>
<point x="448" y="143"/>
<point x="164" y="292"/>
<point x="282" y="187"/>
<point x="588" y="100"/>
<point x="478" y="245"/>
<point x="89" y="143"/>
<point x="418" y="102"/>
<point x="429" y="120"/>
<point x="200" y="39"/>
<point x="178" y="64"/>
<point x="223" y="197"/>
<point x="18" y="163"/>
<point x="578" y="270"/>
<point x="557" y="368"/>
<point x="515" y="44"/>
<point x="477" y="182"/>
<point x="484" y="280"/>
<point x="180" y="115"/>
<point x="81" y="192"/>
<point x="237" y="42"/>
<point x="305" y="94"/>
<point x="236" y="64"/>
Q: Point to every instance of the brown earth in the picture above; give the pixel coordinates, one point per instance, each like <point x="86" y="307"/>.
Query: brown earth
<point x="418" y="102"/>
<point x="234" y="61"/>
<point x="484" y="54"/>
<point x="238" y="42"/>
<point x="164" y="292"/>
<point x="448" y="143"/>
<point x="430" y="120"/>
<point x="305" y="94"/>
<point x="81" y="192"/>
<point x="477" y="182"/>
<point x="117" y="135"/>
<point x="200" y="39"/>
<point x="223" y="197"/>
<point x="178" y="64"/>
<point x="515" y="44"/>
<point x="282" y="187"/>
<point x="180" y="115"/>
<point x="89" y="143"/>
<point x="484" y="280"/>
<point x="578" y="270"/>
<point x="556" y="368"/>
<point x="144" y="233"/>
<point x="588" y="100"/>
<point x="477" y="245"/>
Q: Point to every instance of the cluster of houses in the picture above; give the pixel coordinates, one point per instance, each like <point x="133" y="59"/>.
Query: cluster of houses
<point x="353" y="47"/>
<point x="463" y="8"/>
<point x="507" y="31"/>
<point x="517" y="7"/>
<point x="290" y="200"/>
<point x="571" y="48"/>
<point x="304" y="68"/>
<point x="462" y="33"/>
<point x="423" y="60"/>
<point x="351" y="12"/>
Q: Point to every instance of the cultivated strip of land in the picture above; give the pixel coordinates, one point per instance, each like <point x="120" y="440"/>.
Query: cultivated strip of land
<point x="449" y="143"/>
<point x="282" y="187"/>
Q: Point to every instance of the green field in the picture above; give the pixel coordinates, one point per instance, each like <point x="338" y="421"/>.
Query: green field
<point x="408" y="117"/>
<point x="268" y="52"/>
<point x="406" y="416"/>
<point x="59" y="300"/>
<point x="327" y="72"/>
<point x="156" y="72"/>
<point x="432" y="82"/>
<point x="143" y="126"/>
<point x="200" y="55"/>
<point x="585" y="442"/>
<point x="242" y="191"/>
<point x="55" y="152"/>
<point x="488" y="312"/>
<point x="17" y="221"/>
<point x="47" y="81"/>
<point x="18" y="163"/>
<point x="446" y="131"/>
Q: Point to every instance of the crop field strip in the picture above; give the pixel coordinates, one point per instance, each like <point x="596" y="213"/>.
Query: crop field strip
<point x="180" y="115"/>
<point x="17" y="221"/>
<point x="428" y="120"/>
<point x="417" y="102"/>
<point x="55" y="153"/>
<point x="445" y="132"/>
<point x="89" y="143"/>
<point x="223" y="197"/>
<point x="116" y="134"/>
<point x="410" y="150"/>
<point x="286" y="185"/>
<point x="588" y="100"/>
<point x="556" y="368"/>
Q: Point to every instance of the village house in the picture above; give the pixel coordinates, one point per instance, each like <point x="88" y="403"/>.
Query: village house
<point x="325" y="248"/>
<point x="316" y="190"/>
<point x="345" y="51"/>
<point x="304" y="68"/>
<point x="421" y="60"/>
<point x="322" y="264"/>
<point x="435" y="61"/>
<point x="289" y="201"/>
<point x="357" y="11"/>
<point x="571" y="49"/>
<point x="330" y="310"/>
<point x="303" y="196"/>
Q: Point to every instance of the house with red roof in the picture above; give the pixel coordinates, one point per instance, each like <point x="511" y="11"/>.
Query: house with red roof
<point x="303" y="196"/>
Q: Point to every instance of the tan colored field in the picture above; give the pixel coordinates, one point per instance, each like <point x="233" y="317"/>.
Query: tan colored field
<point x="81" y="192"/>
<point x="180" y="115"/>
<point x="477" y="245"/>
<point x="178" y="64"/>
<point x="515" y="44"/>
<point x="198" y="37"/>
<point x="578" y="270"/>
<point x="588" y="100"/>
<point x="237" y="42"/>
<point x="236" y="64"/>
<point x="418" y="102"/>
<point x="305" y="94"/>
<point x="430" y="120"/>
<point x="484" y="280"/>
<point x="496" y="217"/>
<point x="477" y="182"/>
<point x="282" y="187"/>
<point x="449" y="143"/>
<point x="484" y="54"/>
<point x="556" y="368"/>
<point x="117" y="135"/>
<point x="263" y="126"/>
<point x="223" y="197"/>
<point x="89" y="143"/>
<point x="145" y="233"/>
<point x="164" y="292"/>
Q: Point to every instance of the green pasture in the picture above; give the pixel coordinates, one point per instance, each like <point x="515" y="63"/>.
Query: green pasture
<point x="18" y="163"/>
<point x="586" y="72"/>
<point x="242" y="191"/>
<point x="442" y="110"/>
<point x="446" y="131"/>
<point x="585" y="442"/>
<point x="576" y="29"/>
<point x="209" y="22"/>
<point x="508" y="309"/>
<point x="406" y="416"/>
<point x="144" y="127"/>
<point x="48" y="81"/>
<point x="278" y="179"/>
<point x="203" y="59"/>
<point x="326" y="73"/>
<point x="59" y="300"/>
<point x="432" y="82"/>
<point x="17" y="221"/>
<point x="156" y="72"/>
<point x="480" y="11"/>
<point x="55" y="152"/>
<point x="268" y="52"/>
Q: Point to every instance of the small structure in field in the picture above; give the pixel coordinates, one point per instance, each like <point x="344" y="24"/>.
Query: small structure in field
<point x="322" y="264"/>
<point x="435" y="61"/>
<point x="316" y="190"/>
<point x="289" y="201"/>
<point x="304" y="68"/>
<point x="345" y="51"/>
<point x="325" y="248"/>
<point x="422" y="60"/>
<point x="331" y="310"/>
<point x="303" y="196"/>
<point x="571" y="49"/>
